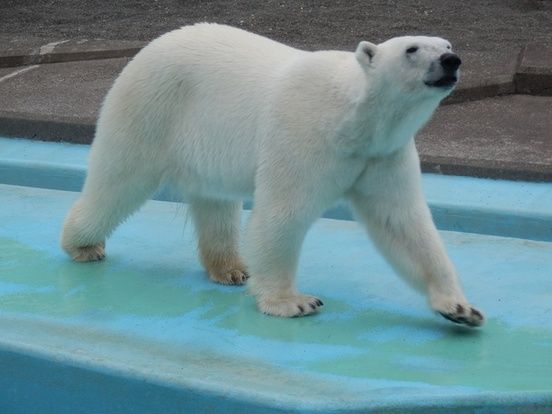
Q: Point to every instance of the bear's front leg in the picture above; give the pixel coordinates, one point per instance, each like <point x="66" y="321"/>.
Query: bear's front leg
<point x="388" y="198"/>
<point x="282" y="214"/>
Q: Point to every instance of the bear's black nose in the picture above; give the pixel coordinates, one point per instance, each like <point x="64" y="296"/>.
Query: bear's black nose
<point x="450" y="61"/>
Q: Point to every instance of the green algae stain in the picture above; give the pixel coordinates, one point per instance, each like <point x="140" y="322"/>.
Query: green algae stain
<point x="356" y="344"/>
<point x="386" y="346"/>
<point x="497" y="359"/>
<point x="389" y="346"/>
<point x="44" y="285"/>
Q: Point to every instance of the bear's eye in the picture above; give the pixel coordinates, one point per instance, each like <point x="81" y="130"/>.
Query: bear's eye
<point x="412" y="49"/>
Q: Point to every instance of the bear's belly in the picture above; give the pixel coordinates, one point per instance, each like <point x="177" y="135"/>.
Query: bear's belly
<point x="192" y="184"/>
<point x="215" y="165"/>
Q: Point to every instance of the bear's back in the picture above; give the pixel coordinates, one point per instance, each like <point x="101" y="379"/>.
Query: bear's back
<point x="225" y="52"/>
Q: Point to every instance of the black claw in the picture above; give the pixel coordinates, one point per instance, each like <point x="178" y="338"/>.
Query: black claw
<point x="459" y="309"/>
<point x="476" y="313"/>
<point x="459" y="320"/>
<point x="313" y="306"/>
<point x="319" y="302"/>
<point x="301" y="308"/>
<point x="449" y="317"/>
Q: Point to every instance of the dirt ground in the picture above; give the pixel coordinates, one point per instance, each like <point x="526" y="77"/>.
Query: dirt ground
<point x="481" y="25"/>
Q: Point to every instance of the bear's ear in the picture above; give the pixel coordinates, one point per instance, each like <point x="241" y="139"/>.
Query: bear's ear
<point x="365" y="52"/>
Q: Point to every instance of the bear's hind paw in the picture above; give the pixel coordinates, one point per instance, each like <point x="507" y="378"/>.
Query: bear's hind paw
<point x="88" y="253"/>
<point x="230" y="277"/>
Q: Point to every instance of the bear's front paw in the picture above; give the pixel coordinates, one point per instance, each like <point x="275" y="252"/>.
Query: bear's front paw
<point x="289" y="306"/>
<point x="463" y="314"/>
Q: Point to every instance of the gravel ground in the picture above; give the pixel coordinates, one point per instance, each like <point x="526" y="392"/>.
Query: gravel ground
<point x="476" y="25"/>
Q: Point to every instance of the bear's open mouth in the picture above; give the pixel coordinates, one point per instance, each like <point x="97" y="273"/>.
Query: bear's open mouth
<point x="446" y="81"/>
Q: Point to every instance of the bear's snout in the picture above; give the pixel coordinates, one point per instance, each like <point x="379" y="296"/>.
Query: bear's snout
<point x="450" y="61"/>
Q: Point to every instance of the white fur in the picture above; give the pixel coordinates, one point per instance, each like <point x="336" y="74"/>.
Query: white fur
<point x="224" y="114"/>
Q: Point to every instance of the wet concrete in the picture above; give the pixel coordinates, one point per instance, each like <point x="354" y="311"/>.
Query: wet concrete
<point x="503" y="137"/>
<point x="500" y="138"/>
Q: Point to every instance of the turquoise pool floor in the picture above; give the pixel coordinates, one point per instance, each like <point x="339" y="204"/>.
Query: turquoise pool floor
<point x="149" y="315"/>
<point x="467" y="204"/>
<point x="146" y="332"/>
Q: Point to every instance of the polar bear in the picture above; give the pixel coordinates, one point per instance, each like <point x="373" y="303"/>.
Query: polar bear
<point x="223" y="114"/>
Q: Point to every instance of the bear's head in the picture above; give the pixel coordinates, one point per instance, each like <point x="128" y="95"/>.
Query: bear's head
<point x="420" y="64"/>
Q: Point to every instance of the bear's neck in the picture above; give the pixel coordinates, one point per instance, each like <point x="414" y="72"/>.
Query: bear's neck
<point x="383" y="120"/>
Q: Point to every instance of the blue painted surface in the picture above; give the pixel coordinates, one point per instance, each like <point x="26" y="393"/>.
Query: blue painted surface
<point x="502" y="208"/>
<point x="145" y="331"/>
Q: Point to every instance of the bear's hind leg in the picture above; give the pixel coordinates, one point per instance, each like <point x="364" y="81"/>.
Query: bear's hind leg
<point x="108" y="198"/>
<point x="80" y="244"/>
<point x="217" y="225"/>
